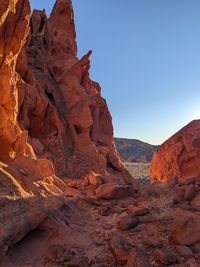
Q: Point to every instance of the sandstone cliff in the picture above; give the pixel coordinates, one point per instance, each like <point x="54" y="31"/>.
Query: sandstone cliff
<point x="62" y="109"/>
<point x="53" y="119"/>
<point x="25" y="182"/>
<point x="179" y="155"/>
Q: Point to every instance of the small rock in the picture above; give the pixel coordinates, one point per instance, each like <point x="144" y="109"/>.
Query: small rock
<point x="148" y="219"/>
<point x="94" y="179"/>
<point x="154" y="243"/>
<point x="92" y="201"/>
<point x="131" y="208"/>
<point x="128" y="222"/>
<point x="120" y="249"/>
<point x="165" y="257"/>
<point x="114" y="191"/>
<point x="184" y="251"/>
<point x="141" y="212"/>
<point x="107" y="226"/>
<point x="172" y="181"/>
<point x="138" y="258"/>
<point x="189" y="192"/>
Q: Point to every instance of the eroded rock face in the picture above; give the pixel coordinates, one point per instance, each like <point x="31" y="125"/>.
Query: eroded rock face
<point x="13" y="32"/>
<point x="51" y="117"/>
<point x="61" y="107"/>
<point x="179" y="155"/>
<point x="26" y="183"/>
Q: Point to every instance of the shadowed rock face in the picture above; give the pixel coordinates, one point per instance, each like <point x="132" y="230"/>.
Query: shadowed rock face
<point x="59" y="105"/>
<point x="179" y="155"/>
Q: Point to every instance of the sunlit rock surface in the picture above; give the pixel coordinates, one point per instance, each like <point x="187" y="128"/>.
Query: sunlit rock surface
<point x="179" y="155"/>
<point x="61" y="107"/>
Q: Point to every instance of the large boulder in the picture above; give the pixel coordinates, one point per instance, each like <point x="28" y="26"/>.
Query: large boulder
<point x="179" y="155"/>
<point x="138" y="258"/>
<point x="127" y="222"/>
<point x="115" y="191"/>
<point x="186" y="232"/>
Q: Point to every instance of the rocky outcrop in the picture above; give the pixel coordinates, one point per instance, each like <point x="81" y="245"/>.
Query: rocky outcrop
<point x="179" y="155"/>
<point x="26" y="183"/>
<point x="59" y="105"/>
<point x="13" y="32"/>
<point x="52" y="118"/>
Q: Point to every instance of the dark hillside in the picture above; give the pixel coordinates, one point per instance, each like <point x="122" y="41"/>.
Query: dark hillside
<point x="134" y="150"/>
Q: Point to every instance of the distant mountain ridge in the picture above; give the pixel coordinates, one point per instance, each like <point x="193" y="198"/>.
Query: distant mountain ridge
<point x="134" y="150"/>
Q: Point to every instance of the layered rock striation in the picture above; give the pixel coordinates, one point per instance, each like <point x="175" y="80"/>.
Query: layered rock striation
<point x="179" y="155"/>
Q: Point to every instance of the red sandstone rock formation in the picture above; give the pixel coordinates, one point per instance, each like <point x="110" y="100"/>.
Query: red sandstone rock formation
<point x="49" y="109"/>
<point x="13" y="32"/>
<point x="85" y="222"/>
<point x="25" y="182"/>
<point x="59" y="105"/>
<point x="179" y="155"/>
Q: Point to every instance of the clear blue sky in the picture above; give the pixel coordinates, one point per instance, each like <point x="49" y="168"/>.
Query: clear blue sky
<point x="146" y="56"/>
